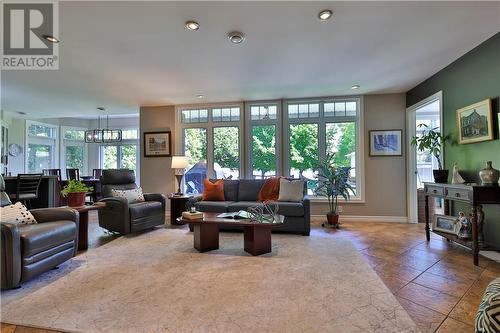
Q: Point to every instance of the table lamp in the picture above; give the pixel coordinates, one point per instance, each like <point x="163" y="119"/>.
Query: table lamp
<point x="179" y="163"/>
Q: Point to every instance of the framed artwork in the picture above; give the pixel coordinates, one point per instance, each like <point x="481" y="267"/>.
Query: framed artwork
<point x="157" y="144"/>
<point x="475" y="122"/>
<point x="386" y="143"/>
<point x="444" y="223"/>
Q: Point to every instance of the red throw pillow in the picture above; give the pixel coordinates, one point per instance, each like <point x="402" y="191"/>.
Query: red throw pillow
<point x="270" y="190"/>
<point x="213" y="191"/>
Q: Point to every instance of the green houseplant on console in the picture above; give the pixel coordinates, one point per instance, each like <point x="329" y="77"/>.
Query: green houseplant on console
<point x="432" y="141"/>
<point x="333" y="181"/>
<point x="75" y="191"/>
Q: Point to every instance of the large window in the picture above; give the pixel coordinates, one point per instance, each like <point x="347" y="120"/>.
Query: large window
<point x="74" y="149"/>
<point x="41" y="152"/>
<point x="122" y="155"/>
<point x="286" y="138"/>
<point x="211" y="141"/>
<point x="318" y="128"/>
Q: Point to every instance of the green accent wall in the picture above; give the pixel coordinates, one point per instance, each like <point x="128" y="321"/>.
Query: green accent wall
<point x="470" y="79"/>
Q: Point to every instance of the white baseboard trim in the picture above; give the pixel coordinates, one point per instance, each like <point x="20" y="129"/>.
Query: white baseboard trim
<point x="360" y="218"/>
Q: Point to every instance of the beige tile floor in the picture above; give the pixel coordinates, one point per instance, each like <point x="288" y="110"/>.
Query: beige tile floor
<point x="435" y="282"/>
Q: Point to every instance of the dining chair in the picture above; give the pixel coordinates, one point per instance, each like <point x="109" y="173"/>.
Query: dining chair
<point x="73" y="174"/>
<point x="97" y="173"/>
<point x="27" y="188"/>
<point x="53" y="172"/>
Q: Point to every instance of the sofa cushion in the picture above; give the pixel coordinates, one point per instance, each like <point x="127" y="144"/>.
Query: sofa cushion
<point x="270" y="190"/>
<point x="249" y="189"/>
<point x="16" y="214"/>
<point x="213" y="191"/>
<point x="291" y="190"/>
<point x="144" y="209"/>
<point x="212" y="206"/>
<point x="488" y="314"/>
<point x="231" y="187"/>
<point x="134" y="195"/>
<point x="36" y="238"/>
<point x="289" y="208"/>
<point x="242" y="205"/>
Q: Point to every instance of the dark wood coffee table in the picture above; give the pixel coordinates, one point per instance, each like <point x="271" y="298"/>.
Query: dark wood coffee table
<point x="257" y="236"/>
<point x="83" y="230"/>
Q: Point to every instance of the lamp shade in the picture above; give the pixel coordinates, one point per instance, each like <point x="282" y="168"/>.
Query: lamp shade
<point x="179" y="162"/>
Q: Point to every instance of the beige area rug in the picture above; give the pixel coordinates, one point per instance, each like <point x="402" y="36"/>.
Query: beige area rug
<point x="157" y="282"/>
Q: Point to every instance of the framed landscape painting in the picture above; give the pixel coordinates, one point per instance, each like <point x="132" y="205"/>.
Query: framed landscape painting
<point x="386" y="143"/>
<point x="475" y="122"/>
<point x="157" y="144"/>
<point x="444" y="223"/>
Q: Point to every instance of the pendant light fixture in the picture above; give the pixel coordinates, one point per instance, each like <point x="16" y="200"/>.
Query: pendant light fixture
<point x="105" y="135"/>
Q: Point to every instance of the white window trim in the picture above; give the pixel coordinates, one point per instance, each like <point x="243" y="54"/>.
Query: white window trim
<point x="67" y="142"/>
<point x="41" y="140"/>
<point x="209" y="125"/>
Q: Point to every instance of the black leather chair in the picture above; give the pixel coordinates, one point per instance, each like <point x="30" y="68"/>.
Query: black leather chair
<point x="124" y="217"/>
<point x="29" y="250"/>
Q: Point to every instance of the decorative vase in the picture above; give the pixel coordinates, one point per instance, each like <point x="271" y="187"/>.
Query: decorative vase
<point x="76" y="199"/>
<point x="333" y="219"/>
<point x="440" y="176"/>
<point x="489" y="176"/>
<point x="456" y="178"/>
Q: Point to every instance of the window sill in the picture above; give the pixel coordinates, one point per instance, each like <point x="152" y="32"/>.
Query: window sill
<point x="341" y="201"/>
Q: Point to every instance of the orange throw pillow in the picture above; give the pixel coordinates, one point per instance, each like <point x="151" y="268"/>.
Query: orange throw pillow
<point x="213" y="191"/>
<point x="270" y="191"/>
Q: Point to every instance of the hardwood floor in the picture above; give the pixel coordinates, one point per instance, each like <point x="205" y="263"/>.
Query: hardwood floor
<point x="435" y="282"/>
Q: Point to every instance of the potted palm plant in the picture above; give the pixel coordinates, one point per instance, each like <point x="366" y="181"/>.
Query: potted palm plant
<point x="75" y="191"/>
<point x="332" y="183"/>
<point x="432" y="141"/>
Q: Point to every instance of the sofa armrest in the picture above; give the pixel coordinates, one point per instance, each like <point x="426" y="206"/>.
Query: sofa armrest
<point x="156" y="197"/>
<point x="116" y="215"/>
<point x="55" y="214"/>
<point x="306" y="202"/>
<point x="11" y="256"/>
<point x="42" y="215"/>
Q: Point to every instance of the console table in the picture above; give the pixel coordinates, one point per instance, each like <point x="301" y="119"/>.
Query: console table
<point x="476" y="196"/>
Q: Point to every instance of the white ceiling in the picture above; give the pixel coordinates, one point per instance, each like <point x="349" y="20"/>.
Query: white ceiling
<point x="125" y="54"/>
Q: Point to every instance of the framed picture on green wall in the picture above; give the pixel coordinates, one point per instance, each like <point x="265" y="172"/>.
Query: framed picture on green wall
<point x="475" y="122"/>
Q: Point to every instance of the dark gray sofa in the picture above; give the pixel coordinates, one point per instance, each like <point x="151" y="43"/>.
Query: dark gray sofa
<point x="242" y="194"/>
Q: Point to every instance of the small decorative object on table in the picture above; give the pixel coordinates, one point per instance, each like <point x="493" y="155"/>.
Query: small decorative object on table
<point x="333" y="182"/>
<point x="264" y="213"/>
<point x="192" y="215"/>
<point x="456" y="177"/>
<point x="465" y="231"/>
<point x="489" y="176"/>
<point x="444" y="223"/>
<point x="433" y="141"/>
<point x="75" y="191"/>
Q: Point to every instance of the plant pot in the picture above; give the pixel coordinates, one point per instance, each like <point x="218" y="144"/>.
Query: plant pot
<point x="440" y="176"/>
<point x="76" y="199"/>
<point x="332" y="219"/>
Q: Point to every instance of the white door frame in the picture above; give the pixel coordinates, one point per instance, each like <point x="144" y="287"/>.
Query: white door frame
<point x="411" y="156"/>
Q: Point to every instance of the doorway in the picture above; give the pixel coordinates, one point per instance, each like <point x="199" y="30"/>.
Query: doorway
<point x="428" y="112"/>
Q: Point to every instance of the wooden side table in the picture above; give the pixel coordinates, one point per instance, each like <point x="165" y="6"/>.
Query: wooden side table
<point x="83" y="231"/>
<point x="177" y="206"/>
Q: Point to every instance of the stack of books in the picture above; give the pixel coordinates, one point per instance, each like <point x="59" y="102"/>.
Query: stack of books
<point x="192" y="216"/>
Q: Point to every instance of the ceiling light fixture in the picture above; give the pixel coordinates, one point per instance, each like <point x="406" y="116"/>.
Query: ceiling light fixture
<point x="236" y="37"/>
<point x="105" y="135"/>
<point x="50" y="38"/>
<point x="325" y="14"/>
<point x="101" y="108"/>
<point x="200" y="96"/>
<point x="192" y="25"/>
<point x="354" y="87"/>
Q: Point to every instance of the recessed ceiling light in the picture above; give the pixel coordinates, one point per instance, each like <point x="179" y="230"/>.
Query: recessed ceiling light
<point x="200" y="96"/>
<point x="325" y="14"/>
<point x="236" y="37"/>
<point x="192" y="25"/>
<point x="50" y="38"/>
<point x="101" y="108"/>
<point x="354" y="87"/>
<point x="22" y="113"/>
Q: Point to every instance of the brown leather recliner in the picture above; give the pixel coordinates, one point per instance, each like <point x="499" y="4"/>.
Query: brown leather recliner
<point x="124" y="217"/>
<point x="29" y="250"/>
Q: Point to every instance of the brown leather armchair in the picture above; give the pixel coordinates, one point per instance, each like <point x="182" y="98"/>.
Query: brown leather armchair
<point x="124" y="217"/>
<point x="29" y="250"/>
